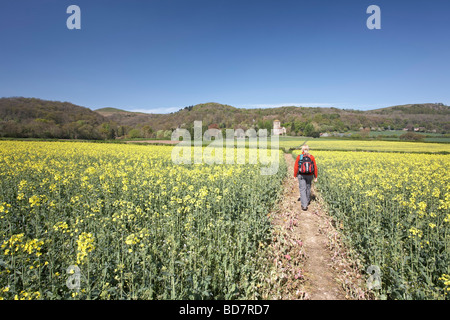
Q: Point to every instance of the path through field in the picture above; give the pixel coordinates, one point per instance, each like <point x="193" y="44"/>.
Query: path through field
<point x="320" y="278"/>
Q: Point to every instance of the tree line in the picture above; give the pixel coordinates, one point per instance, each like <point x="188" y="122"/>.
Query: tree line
<point x="36" y="118"/>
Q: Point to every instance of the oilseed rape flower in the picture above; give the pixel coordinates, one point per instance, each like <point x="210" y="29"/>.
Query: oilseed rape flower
<point x="416" y="232"/>
<point x="4" y="207"/>
<point x="27" y="295"/>
<point x="32" y="246"/>
<point x="61" y="226"/>
<point x="85" y="244"/>
<point x="131" y="240"/>
<point x="34" y="201"/>
<point x="445" y="278"/>
<point x="13" y="244"/>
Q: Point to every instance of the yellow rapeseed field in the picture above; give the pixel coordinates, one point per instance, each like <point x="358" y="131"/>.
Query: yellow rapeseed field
<point x="107" y="221"/>
<point x="112" y="221"/>
<point x="394" y="209"/>
<point x="366" y="145"/>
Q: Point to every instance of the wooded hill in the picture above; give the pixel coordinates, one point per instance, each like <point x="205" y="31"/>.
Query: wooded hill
<point x="31" y="117"/>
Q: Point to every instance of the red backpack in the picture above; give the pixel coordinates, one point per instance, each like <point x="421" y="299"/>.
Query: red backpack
<point x="305" y="165"/>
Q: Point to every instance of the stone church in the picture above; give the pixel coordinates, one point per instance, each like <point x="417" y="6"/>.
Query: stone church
<point x="277" y="129"/>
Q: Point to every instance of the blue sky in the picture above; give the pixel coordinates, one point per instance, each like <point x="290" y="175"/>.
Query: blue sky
<point x="162" y="55"/>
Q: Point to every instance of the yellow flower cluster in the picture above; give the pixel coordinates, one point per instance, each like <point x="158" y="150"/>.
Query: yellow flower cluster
<point x="85" y="244"/>
<point x="16" y="243"/>
<point x="416" y="232"/>
<point x="13" y="244"/>
<point x="136" y="238"/>
<point x="445" y="278"/>
<point x="33" y="245"/>
<point x="23" y="295"/>
<point x="131" y="239"/>
<point x="4" y="207"/>
<point x="61" y="226"/>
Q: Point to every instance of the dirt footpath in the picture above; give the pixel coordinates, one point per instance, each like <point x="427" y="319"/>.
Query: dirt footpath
<point x="314" y="263"/>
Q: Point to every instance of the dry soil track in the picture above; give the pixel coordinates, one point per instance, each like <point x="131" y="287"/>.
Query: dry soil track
<point x="326" y="272"/>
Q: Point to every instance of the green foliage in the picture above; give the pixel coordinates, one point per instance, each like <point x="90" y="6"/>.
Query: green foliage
<point x="167" y="134"/>
<point x="160" y="134"/>
<point x="134" y="133"/>
<point x="310" y="131"/>
<point x="35" y="118"/>
<point x="412" y="136"/>
<point x="110" y="110"/>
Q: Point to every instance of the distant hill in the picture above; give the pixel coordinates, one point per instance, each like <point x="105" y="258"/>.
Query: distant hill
<point x="429" y="116"/>
<point x="109" y="110"/>
<point x="30" y="117"/>
<point x="128" y="118"/>
<point x="426" y="108"/>
<point x="25" y="109"/>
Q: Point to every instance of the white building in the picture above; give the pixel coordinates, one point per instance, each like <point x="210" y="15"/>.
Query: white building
<point x="277" y="129"/>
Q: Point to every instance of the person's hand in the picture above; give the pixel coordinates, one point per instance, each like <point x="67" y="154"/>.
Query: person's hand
<point x="315" y="179"/>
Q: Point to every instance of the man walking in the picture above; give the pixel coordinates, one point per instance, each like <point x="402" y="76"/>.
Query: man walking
<point x="305" y="170"/>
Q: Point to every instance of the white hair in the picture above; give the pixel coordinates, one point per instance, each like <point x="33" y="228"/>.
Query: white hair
<point x="305" y="149"/>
